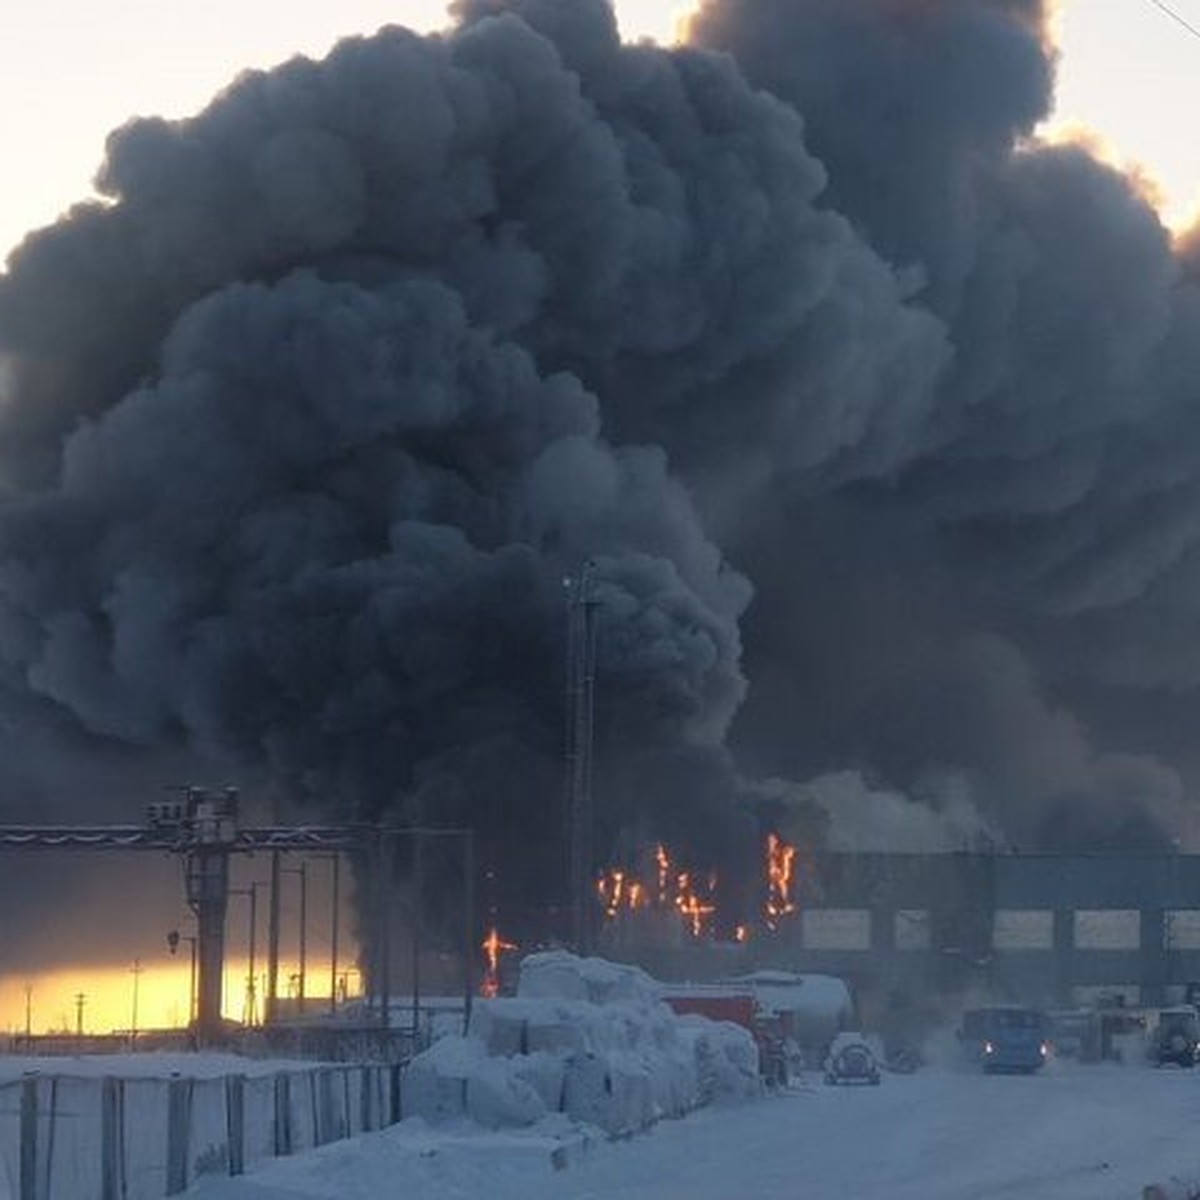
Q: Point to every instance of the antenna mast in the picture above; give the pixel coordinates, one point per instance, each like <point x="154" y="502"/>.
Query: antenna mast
<point x="580" y="707"/>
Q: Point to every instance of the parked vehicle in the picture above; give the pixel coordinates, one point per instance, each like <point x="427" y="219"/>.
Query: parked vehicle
<point x="1076" y="1033"/>
<point x="1175" y="1036"/>
<point x="851" y="1060"/>
<point x="1006" y="1038"/>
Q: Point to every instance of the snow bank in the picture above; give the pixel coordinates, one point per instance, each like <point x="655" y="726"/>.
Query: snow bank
<point x="583" y="1037"/>
<point x="1172" y="1189"/>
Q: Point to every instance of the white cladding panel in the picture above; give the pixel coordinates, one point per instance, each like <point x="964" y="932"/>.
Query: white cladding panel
<point x="913" y="929"/>
<point x="1181" y="930"/>
<point x="1107" y="929"/>
<point x="1023" y="929"/>
<point x="837" y="928"/>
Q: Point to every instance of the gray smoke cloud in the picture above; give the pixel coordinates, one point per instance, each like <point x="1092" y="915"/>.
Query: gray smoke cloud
<point x="1037" y="549"/>
<point x="876" y="417"/>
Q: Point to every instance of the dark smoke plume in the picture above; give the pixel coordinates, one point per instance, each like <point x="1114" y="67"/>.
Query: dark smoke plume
<point x="876" y="417"/>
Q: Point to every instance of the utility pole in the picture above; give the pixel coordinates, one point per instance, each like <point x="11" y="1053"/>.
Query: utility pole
<point x="80" y="1001"/>
<point x="136" y="971"/>
<point x="272" y="1013"/>
<point x="335" y="925"/>
<point x="383" y="952"/>
<point x="302" y="872"/>
<point x="417" y="914"/>
<point x="468" y="950"/>
<point x="580" y="708"/>
<point x="28" y="1011"/>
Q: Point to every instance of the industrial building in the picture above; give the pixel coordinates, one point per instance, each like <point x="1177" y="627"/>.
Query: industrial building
<point x="1061" y="928"/>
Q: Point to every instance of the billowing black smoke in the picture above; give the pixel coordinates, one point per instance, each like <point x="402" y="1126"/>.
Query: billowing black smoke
<point x="1016" y="600"/>
<point x="788" y="330"/>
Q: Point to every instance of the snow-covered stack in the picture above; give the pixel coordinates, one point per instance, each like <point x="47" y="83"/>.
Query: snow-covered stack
<point x="584" y="1037"/>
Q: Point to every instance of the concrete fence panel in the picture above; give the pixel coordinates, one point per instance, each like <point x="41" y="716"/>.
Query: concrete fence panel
<point x="72" y="1138"/>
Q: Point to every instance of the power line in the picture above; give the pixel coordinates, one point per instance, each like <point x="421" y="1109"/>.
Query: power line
<point x="1175" y="16"/>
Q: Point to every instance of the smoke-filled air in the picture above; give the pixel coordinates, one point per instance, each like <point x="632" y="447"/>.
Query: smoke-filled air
<point x="879" y="420"/>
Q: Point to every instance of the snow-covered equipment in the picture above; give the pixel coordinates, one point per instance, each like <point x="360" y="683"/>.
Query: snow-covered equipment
<point x="1175" y="1036"/>
<point x="851" y="1060"/>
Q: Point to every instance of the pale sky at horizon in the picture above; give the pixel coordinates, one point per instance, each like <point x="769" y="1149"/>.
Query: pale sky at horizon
<point x="72" y="70"/>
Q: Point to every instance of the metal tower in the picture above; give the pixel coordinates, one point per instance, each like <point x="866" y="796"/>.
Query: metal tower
<point x="580" y="712"/>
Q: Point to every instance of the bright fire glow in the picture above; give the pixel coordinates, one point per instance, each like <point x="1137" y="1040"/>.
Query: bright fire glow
<point x="621" y="891"/>
<point x="780" y="865"/>
<point x="617" y="891"/>
<point x="493" y="947"/>
<point x="663" y="861"/>
<point x="695" y="911"/>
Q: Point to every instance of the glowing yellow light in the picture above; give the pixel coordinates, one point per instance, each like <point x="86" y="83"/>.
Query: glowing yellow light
<point x="163" y="995"/>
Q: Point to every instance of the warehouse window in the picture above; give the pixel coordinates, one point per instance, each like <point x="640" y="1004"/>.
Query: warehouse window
<point x="1108" y="929"/>
<point x="1023" y="929"/>
<point x="837" y="929"/>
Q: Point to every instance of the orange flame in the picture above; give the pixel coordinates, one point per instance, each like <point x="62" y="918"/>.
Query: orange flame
<point x="780" y="863"/>
<point x="493" y="947"/>
<point x="663" y="859"/>
<point x="621" y="890"/>
<point x="694" y="910"/>
<point x="617" y="891"/>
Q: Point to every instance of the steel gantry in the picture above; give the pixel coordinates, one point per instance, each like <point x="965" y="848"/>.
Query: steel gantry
<point x="202" y="827"/>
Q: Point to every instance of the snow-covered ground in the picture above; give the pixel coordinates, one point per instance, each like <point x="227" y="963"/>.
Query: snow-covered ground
<point x="1071" y="1133"/>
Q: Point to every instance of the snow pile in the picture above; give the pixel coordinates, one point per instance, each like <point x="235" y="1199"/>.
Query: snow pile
<point x="583" y="1037"/>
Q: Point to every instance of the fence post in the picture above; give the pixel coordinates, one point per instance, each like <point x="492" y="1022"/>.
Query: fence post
<point x="324" y="1097"/>
<point x="111" y="1136"/>
<point x="178" y="1123"/>
<point x="29" y="1136"/>
<point x="283" y="1116"/>
<point x="235" y="1122"/>
<point x="394" y="1094"/>
<point x="364" y="1098"/>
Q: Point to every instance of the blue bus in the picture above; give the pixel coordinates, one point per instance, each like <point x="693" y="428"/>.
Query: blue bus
<point x="1006" y="1038"/>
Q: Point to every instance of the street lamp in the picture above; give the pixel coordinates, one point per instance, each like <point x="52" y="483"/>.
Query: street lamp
<point x="173" y="940"/>
<point x="250" y="1014"/>
<point x="302" y="871"/>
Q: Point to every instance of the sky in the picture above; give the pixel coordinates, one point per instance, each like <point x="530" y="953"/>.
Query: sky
<point x="72" y="70"/>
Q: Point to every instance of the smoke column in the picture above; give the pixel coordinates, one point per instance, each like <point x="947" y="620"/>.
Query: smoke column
<point x="876" y="417"/>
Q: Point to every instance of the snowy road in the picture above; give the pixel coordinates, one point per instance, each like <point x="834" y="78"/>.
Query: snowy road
<point x="1074" y="1133"/>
